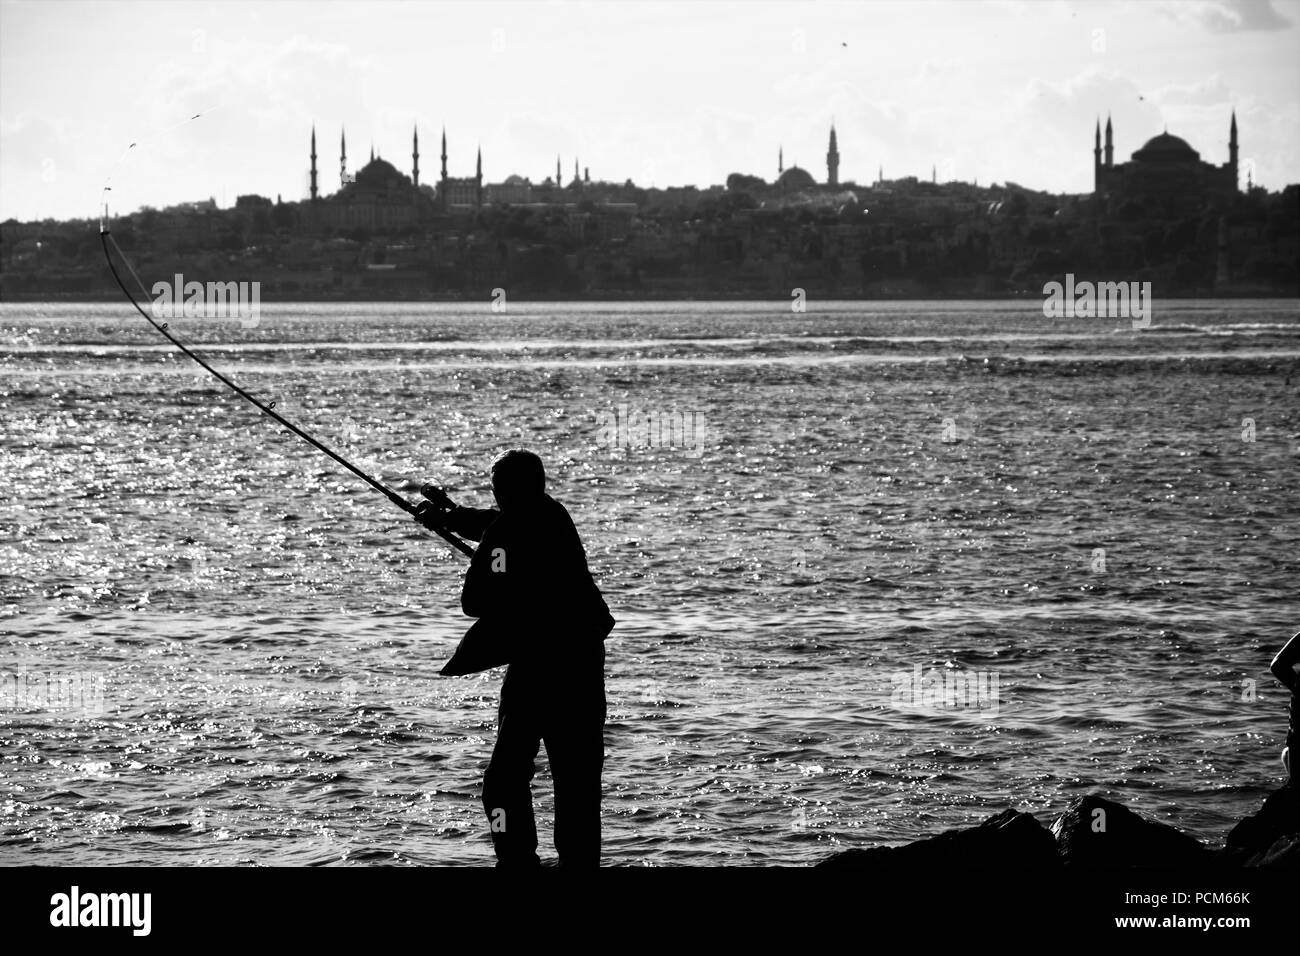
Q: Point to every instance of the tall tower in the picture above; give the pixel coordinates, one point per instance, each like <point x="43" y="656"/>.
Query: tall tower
<point x="1232" y="150"/>
<point x="1110" y="144"/>
<point x="558" y="183"/>
<point x="442" y="185"/>
<point x="780" y="160"/>
<point x="576" y="180"/>
<point x="833" y="161"/>
<point x="343" y="159"/>
<point x="1096" y="158"/>
<point x="478" y="178"/>
<point x="313" y="161"/>
<point x="415" y="156"/>
<point x="934" y="175"/>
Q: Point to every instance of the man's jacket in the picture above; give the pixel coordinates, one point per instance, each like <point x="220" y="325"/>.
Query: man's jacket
<point x="528" y="584"/>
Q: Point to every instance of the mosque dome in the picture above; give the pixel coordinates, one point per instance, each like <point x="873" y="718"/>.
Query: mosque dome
<point x="796" y="178"/>
<point x="378" y="172"/>
<point x="1166" y="148"/>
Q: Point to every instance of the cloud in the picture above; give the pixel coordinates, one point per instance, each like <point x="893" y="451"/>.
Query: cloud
<point x="1212" y="91"/>
<point x="40" y="160"/>
<point x="1231" y="16"/>
<point x="277" y="83"/>
<point x="1092" y="93"/>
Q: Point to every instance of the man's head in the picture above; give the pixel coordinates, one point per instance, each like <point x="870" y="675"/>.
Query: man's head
<point x="518" y="479"/>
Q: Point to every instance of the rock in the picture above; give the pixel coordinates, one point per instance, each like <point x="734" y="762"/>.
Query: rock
<point x="1094" y="831"/>
<point x="1285" y="851"/>
<point x="1010" y="839"/>
<point x="1277" y="818"/>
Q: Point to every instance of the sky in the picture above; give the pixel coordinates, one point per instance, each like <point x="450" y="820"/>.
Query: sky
<point x="666" y="94"/>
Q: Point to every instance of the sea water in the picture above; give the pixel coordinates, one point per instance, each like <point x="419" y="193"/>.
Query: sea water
<point x="913" y="563"/>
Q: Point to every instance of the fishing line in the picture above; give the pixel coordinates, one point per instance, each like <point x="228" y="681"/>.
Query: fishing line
<point x="106" y="239"/>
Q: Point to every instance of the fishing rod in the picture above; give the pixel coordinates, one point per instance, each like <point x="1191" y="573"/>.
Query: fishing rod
<point x="106" y="237"/>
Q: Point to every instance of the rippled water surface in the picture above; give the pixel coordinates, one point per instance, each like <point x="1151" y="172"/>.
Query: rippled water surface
<point x="1072" y="508"/>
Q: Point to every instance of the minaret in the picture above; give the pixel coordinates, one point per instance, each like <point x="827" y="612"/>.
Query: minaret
<point x="1232" y="150"/>
<point x="558" y="181"/>
<point x="442" y="186"/>
<point x="576" y="180"/>
<point x="833" y="161"/>
<point x="880" y="176"/>
<point x="478" y="178"/>
<point x="313" y="161"/>
<point x="343" y="159"/>
<point x="780" y="160"/>
<point x="372" y="152"/>
<point x="934" y="175"/>
<point x="1110" y="145"/>
<point x="415" y="156"/>
<point x="1096" y="158"/>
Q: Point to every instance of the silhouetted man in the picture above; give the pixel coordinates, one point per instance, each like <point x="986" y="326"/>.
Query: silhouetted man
<point x="538" y="606"/>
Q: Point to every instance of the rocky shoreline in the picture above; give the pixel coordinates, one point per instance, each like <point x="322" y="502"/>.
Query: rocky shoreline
<point x="1094" y="832"/>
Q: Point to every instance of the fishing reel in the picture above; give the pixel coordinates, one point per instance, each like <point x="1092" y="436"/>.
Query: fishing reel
<point x="433" y="513"/>
<point x="437" y="497"/>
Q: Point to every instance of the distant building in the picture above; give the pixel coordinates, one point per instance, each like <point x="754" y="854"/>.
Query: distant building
<point x="795" y="179"/>
<point x="1166" y="174"/>
<point x="833" y="161"/>
<point x="375" y="197"/>
<point x="465" y="192"/>
<point x="514" y="190"/>
<point x="378" y="196"/>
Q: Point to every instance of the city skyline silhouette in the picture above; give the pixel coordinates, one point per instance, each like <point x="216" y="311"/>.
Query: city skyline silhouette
<point x="660" y="96"/>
